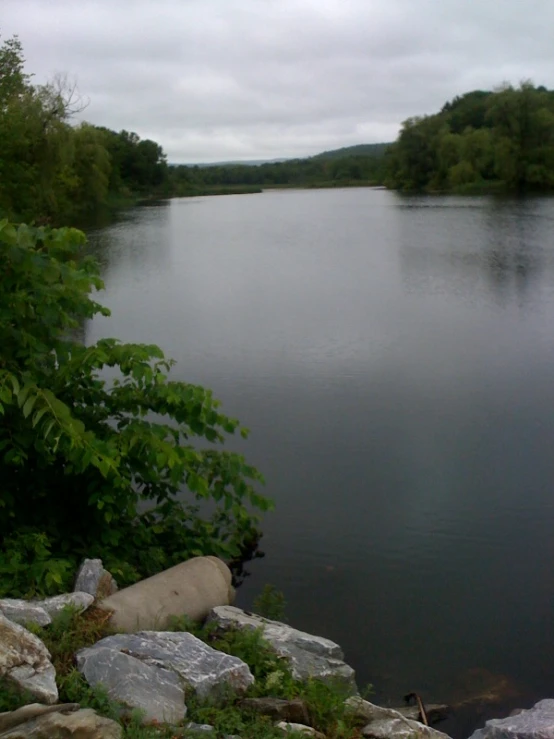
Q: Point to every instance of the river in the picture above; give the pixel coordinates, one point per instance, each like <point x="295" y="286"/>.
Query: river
<point x="394" y="359"/>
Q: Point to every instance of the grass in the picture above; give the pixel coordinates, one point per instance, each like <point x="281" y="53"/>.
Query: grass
<point x="71" y="631"/>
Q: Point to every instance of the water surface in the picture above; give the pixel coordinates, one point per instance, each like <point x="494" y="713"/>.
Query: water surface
<point x="394" y="358"/>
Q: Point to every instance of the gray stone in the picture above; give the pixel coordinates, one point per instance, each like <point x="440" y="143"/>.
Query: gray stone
<point x="294" y="711"/>
<point x="58" y="724"/>
<point x="79" y="601"/>
<point x="386" y="723"/>
<point x="309" y="656"/>
<point x="93" y="579"/>
<point x="200" y="728"/>
<point x="128" y="680"/>
<point x="208" y="672"/>
<point x="288" y="728"/>
<point x="190" y="589"/>
<point x="25" y="661"/>
<point x="24" y="612"/>
<point x="534" y="723"/>
<point x="41" y="612"/>
<point x="435" y="712"/>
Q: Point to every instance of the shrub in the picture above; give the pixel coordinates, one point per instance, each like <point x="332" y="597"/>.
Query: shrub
<point x="96" y="467"/>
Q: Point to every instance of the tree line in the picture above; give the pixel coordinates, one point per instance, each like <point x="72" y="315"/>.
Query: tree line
<point x="481" y="141"/>
<point x="312" y="172"/>
<point x="55" y="172"/>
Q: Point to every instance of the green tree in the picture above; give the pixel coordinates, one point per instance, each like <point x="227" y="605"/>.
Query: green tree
<point x="13" y="80"/>
<point x="102" y="467"/>
<point x="91" y="168"/>
<point x="414" y="163"/>
<point x="505" y="138"/>
<point x="478" y="150"/>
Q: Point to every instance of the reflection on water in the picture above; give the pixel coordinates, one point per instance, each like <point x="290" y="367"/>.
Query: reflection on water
<point x="394" y="359"/>
<point x="500" y="243"/>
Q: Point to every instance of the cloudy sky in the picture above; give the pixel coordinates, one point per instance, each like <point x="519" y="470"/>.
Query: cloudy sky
<point x="214" y="80"/>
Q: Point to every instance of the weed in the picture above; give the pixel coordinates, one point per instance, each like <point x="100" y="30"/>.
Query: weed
<point x="11" y="698"/>
<point x="70" y="631"/>
<point x="270" y="603"/>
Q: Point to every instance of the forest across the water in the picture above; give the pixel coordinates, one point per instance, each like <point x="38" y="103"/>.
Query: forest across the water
<point x="54" y="170"/>
<point x="482" y="141"/>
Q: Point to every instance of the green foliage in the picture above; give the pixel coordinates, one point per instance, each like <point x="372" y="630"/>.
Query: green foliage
<point x="11" y="698"/>
<point x="358" y="150"/>
<point x="271" y="603"/>
<point x="348" y="169"/>
<point x="71" y="631"/>
<point x="479" y="141"/>
<point x="53" y="172"/>
<point x="273" y="677"/>
<point x="97" y="467"/>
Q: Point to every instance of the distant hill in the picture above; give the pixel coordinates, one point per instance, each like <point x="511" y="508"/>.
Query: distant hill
<point x="372" y="150"/>
<point x="238" y="162"/>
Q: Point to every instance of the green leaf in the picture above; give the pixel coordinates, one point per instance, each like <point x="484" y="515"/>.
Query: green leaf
<point x="29" y="404"/>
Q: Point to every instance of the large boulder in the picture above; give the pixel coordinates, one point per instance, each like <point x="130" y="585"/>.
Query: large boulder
<point x="156" y="692"/>
<point x="309" y="656"/>
<point x="92" y="578"/>
<point x="386" y="723"/>
<point x="41" y="612"/>
<point x="534" y="723"/>
<point x="57" y="722"/>
<point x="149" y="670"/>
<point x="191" y="589"/>
<point x="25" y="661"/>
<point x="24" y="612"/>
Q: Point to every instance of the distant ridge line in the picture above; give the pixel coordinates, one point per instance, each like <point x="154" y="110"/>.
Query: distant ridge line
<point x="376" y="150"/>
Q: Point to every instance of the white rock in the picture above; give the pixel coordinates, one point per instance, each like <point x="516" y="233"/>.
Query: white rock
<point x="309" y="656"/>
<point x="153" y="690"/>
<point x="208" y="672"/>
<point x="80" y="601"/>
<point x="386" y="723"/>
<point x="25" y="660"/>
<point x="534" y="723"/>
<point x="41" y="612"/>
<point x="288" y="728"/>
<point x="200" y="728"/>
<point x="24" y="611"/>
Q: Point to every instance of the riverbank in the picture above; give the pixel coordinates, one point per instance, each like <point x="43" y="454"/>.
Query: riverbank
<point x="154" y="661"/>
<point x="254" y="189"/>
<point x="240" y="674"/>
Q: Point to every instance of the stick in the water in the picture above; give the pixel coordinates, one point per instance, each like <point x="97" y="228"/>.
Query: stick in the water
<point x="422" y="712"/>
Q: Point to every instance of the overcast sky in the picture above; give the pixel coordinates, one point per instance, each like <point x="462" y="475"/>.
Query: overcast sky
<point x="214" y="80"/>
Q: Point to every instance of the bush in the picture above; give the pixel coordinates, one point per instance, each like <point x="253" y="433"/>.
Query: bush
<point x="99" y="468"/>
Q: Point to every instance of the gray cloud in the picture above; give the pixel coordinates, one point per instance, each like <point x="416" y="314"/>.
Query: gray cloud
<point x="226" y="79"/>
